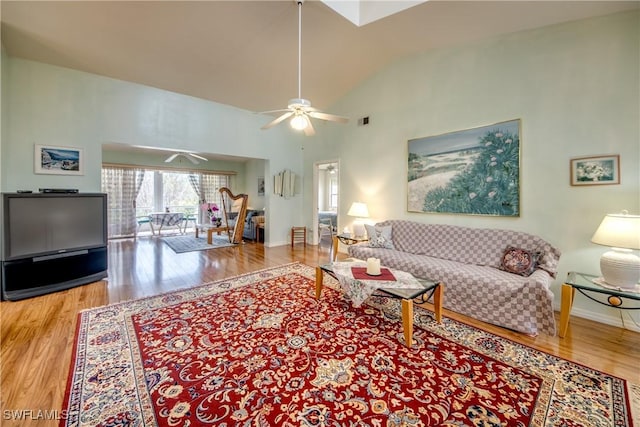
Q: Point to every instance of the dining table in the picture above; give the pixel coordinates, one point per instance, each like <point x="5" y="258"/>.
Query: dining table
<point x="165" y="219"/>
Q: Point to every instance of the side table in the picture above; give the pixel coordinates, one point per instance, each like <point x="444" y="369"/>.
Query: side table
<point x="584" y="284"/>
<point x="210" y="229"/>
<point x="345" y="240"/>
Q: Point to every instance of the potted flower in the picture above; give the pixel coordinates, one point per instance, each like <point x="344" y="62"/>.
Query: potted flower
<point x="212" y="211"/>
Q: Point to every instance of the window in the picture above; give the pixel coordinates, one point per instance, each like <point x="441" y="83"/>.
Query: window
<point x="333" y="193"/>
<point x="135" y="193"/>
<point x="162" y="190"/>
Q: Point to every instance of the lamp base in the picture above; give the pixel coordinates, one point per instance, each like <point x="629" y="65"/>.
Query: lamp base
<point x="620" y="268"/>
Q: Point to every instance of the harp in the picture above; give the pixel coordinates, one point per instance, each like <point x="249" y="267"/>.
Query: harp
<point x="238" y="228"/>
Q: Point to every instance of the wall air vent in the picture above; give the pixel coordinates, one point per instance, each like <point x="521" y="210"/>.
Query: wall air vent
<point x="363" y="121"/>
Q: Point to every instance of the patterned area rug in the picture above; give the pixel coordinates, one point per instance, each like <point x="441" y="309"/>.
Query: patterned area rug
<point x="181" y="244"/>
<point x="260" y="350"/>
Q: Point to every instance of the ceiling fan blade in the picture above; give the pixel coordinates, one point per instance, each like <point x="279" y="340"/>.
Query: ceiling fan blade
<point x="309" y="130"/>
<point x="191" y="159"/>
<point x="197" y="156"/>
<point x="330" y="117"/>
<point x="171" y="158"/>
<point x="285" y="116"/>
<point x="274" y="111"/>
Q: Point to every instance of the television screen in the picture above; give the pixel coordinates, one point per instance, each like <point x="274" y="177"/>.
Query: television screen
<point x="41" y="224"/>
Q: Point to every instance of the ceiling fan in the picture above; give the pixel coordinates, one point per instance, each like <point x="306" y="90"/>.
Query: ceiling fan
<point x="300" y="109"/>
<point x="192" y="157"/>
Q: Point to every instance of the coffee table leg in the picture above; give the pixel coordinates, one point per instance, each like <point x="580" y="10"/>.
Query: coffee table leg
<point x="319" y="280"/>
<point x="407" y="321"/>
<point x="210" y="236"/>
<point x="437" y="302"/>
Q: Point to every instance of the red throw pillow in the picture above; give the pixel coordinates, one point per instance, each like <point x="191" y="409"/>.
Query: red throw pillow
<point x="519" y="261"/>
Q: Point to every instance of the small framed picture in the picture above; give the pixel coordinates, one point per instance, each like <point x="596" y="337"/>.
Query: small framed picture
<point x="58" y="160"/>
<point x="261" y="186"/>
<point x="595" y="170"/>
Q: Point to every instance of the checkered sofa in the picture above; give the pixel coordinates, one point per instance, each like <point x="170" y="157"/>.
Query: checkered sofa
<point x="467" y="260"/>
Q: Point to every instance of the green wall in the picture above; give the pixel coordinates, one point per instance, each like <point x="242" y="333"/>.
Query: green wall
<point x="62" y="107"/>
<point x="576" y="88"/>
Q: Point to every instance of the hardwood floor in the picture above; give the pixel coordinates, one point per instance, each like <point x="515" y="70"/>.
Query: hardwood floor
<point x="37" y="334"/>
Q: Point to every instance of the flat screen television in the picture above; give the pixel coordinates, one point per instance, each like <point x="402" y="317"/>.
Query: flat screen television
<point x="43" y="224"/>
<point x="52" y="241"/>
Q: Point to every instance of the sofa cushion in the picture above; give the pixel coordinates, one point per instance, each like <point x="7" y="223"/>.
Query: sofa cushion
<point x="519" y="261"/>
<point x="379" y="237"/>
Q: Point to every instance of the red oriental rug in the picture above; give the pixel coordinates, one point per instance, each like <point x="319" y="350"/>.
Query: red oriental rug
<point x="259" y="350"/>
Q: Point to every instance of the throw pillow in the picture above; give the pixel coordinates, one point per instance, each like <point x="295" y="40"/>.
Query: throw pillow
<point x="379" y="237"/>
<point x="519" y="261"/>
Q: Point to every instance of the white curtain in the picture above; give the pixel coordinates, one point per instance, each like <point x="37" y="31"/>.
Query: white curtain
<point x="210" y="185"/>
<point x="122" y="186"/>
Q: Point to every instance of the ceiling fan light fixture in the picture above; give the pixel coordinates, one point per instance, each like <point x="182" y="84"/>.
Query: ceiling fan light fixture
<point x="300" y="109"/>
<point x="299" y="122"/>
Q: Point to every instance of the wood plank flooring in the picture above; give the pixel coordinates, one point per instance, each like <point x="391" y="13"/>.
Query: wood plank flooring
<point x="37" y="334"/>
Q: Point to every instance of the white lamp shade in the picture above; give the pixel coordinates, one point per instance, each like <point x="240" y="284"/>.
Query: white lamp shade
<point x="359" y="210"/>
<point x="619" y="231"/>
<point x="620" y="268"/>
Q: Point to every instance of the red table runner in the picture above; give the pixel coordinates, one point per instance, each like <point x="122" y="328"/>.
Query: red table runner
<point x="360" y="273"/>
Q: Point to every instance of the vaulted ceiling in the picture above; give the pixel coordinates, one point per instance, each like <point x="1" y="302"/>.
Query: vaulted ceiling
<point x="244" y="53"/>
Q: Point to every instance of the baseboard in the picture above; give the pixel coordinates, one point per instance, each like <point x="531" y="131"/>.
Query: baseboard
<point x="607" y="320"/>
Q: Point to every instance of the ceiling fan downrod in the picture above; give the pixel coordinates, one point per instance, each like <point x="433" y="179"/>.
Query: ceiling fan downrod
<point x="300" y="48"/>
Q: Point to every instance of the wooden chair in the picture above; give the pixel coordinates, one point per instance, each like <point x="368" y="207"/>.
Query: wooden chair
<point x="297" y="234"/>
<point x="325" y="226"/>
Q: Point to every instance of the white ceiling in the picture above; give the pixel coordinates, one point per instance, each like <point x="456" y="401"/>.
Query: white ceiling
<point x="244" y="53"/>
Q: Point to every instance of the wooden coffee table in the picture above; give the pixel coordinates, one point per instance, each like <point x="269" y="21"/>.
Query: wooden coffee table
<point x="406" y="296"/>
<point x="210" y="230"/>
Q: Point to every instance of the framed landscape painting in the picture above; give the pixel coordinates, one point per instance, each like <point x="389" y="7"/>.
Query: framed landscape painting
<point x="600" y="170"/>
<point x="474" y="171"/>
<point x="58" y="160"/>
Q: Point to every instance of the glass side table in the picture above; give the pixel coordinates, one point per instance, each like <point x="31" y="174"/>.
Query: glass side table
<point x="345" y="240"/>
<point x="583" y="282"/>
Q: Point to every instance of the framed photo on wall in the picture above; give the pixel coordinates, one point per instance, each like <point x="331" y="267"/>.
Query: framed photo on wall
<point x="595" y="170"/>
<point x="473" y="171"/>
<point x="58" y="160"/>
<point x="261" y="186"/>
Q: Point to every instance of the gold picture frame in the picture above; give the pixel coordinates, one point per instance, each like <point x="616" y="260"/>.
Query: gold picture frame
<point x="595" y="170"/>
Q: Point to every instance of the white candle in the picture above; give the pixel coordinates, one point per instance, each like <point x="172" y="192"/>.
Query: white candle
<point x="373" y="266"/>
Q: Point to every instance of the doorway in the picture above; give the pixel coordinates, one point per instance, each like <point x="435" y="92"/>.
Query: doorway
<point x="326" y="197"/>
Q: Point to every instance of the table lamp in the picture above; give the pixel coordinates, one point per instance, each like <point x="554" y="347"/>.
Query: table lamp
<point x="620" y="267"/>
<point x="360" y="211"/>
